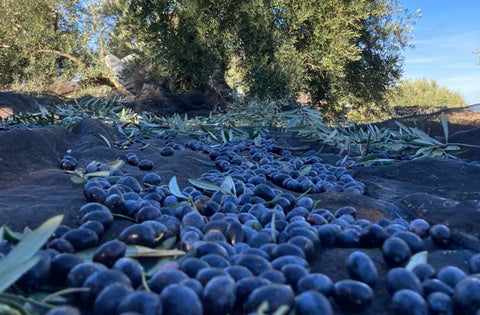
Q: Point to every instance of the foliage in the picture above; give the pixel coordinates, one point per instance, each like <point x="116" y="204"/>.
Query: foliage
<point x="424" y="93"/>
<point x="337" y="51"/>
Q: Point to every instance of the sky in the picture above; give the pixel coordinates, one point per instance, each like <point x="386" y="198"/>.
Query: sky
<point x="446" y="35"/>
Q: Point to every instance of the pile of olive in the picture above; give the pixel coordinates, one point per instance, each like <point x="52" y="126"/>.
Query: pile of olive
<point x="251" y="247"/>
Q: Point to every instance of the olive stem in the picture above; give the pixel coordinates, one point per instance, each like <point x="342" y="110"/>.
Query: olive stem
<point x="63" y="292"/>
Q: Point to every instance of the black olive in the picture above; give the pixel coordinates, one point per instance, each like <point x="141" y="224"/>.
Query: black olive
<point x="145" y="165"/>
<point x="195" y="285"/>
<point x="95" y="226"/>
<point x="205" y="248"/>
<point x="191" y="266"/>
<point x="206" y="274"/>
<point x="346" y="210"/>
<point x="98" y="281"/>
<point x="141" y="302"/>
<point x="419" y="227"/>
<point x="287" y="249"/>
<point x="451" y="275"/>
<point x="95" y="194"/>
<point x="109" y="252"/>
<point x="81" y="238"/>
<point x="316" y="282"/>
<point x="219" y="295"/>
<point x="264" y="191"/>
<point x="348" y="238"/>
<point x="173" y="300"/>
<point x="194" y="219"/>
<point x="255" y="263"/>
<point x="467" y="295"/>
<point x="328" y="234"/>
<point x="138" y="234"/>
<point x="131" y="268"/>
<point x="130" y="182"/>
<point x="474" y="264"/>
<point x="216" y="261"/>
<point x="440" y="303"/>
<point x="274" y="276"/>
<point x="279" y="262"/>
<point x="352" y="295"/>
<point x="105" y="218"/>
<point x="373" y="236"/>
<point x="276" y="295"/>
<point x="164" y="278"/>
<point x="396" y="252"/>
<point x="131" y="158"/>
<point x="147" y="213"/>
<point x="77" y="276"/>
<point x="413" y="241"/>
<point x="61" y="245"/>
<point x="424" y="271"/>
<point x="305" y="244"/>
<point x="312" y="303"/>
<point x="409" y="302"/>
<point x="61" y="266"/>
<point x="361" y="267"/>
<point x="293" y="273"/>
<point x="109" y="298"/>
<point x="440" y="235"/>
<point x="166" y="151"/>
<point x="68" y="163"/>
<point x="90" y="207"/>
<point x="435" y="285"/>
<point x="401" y="278"/>
<point x="116" y="203"/>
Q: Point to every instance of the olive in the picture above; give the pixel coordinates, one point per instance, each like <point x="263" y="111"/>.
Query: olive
<point x="235" y="232"/>
<point x="413" y="241"/>
<point x="276" y="295"/>
<point x="293" y="273"/>
<point x="147" y="213"/>
<point x="68" y="163"/>
<point x="346" y="210"/>
<point x="87" y="208"/>
<point x="145" y="165"/>
<point x="151" y="179"/>
<point x="38" y="275"/>
<point x="81" y="238"/>
<point x="328" y="234"/>
<point x="255" y="263"/>
<point x="219" y="295"/>
<point x="109" y="298"/>
<point x="141" y="302"/>
<point x="164" y="278"/>
<point x="131" y="268"/>
<point x="95" y="226"/>
<point x="63" y="310"/>
<point x="98" y="281"/>
<point x="167" y="151"/>
<point x="467" y="295"/>
<point x="451" y="275"/>
<point x="161" y="231"/>
<point x="419" y="227"/>
<point x="130" y="182"/>
<point x="401" y="278"/>
<point x="189" y="239"/>
<point x="409" y="302"/>
<point x="316" y="282"/>
<point x="61" y="266"/>
<point x="138" y="234"/>
<point x="205" y="248"/>
<point x="264" y="191"/>
<point x="109" y="252"/>
<point x="305" y="202"/>
<point x="274" y="276"/>
<point x="348" y="238"/>
<point x="193" y="284"/>
<point x="424" y="271"/>
<point x="440" y="303"/>
<point x="474" y="264"/>
<point x="206" y="274"/>
<point x="440" y="235"/>
<point x="435" y="285"/>
<point x="216" y="261"/>
<point x="373" y="236"/>
<point x="61" y="245"/>
<point x="383" y="222"/>
<point x="178" y="299"/>
<point x="247" y="285"/>
<point x="258" y="252"/>
<point x="352" y="295"/>
<point x="116" y="203"/>
<point x="131" y="207"/>
<point x="95" y="194"/>
<point x="287" y="249"/>
<point x="305" y="244"/>
<point x="105" y="218"/>
<point x="132" y="159"/>
<point x="312" y="303"/>
<point x="361" y="267"/>
<point x="191" y="266"/>
<point x="194" y="219"/>
<point x="396" y="252"/>
<point x="78" y="274"/>
<point x="238" y="272"/>
<point x="279" y="262"/>
<point x="172" y="224"/>
<point x="259" y="239"/>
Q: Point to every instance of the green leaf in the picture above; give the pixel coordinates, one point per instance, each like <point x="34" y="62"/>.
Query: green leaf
<point x="418" y="258"/>
<point x="97" y="174"/>
<point x="306" y="170"/>
<point x="106" y="140"/>
<point x="258" y="141"/>
<point x="115" y="165"/>
<point x="174" y="189"/>
<point x="228" y="186"/>
<point x="142" y="251"/>
<point x="445" y="126"/>
<point x="204" y="185"/>
<point x="22" y="258"/>
<point x="206" y="163"/>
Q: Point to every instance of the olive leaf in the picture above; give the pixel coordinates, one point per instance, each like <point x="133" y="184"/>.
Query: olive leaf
<point x="306" y="170"/>
<point x="204" y="185"/>
<point x="174" y="189"/>
<point x="134" y="251"/>
<point x="22" y="258"/>
<point x="418" y="258"/>
<point x="228" y="186"/>
<point x="445" y="126"/>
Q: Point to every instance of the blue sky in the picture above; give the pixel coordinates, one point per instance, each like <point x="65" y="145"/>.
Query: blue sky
<point x="447" y="34"/>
